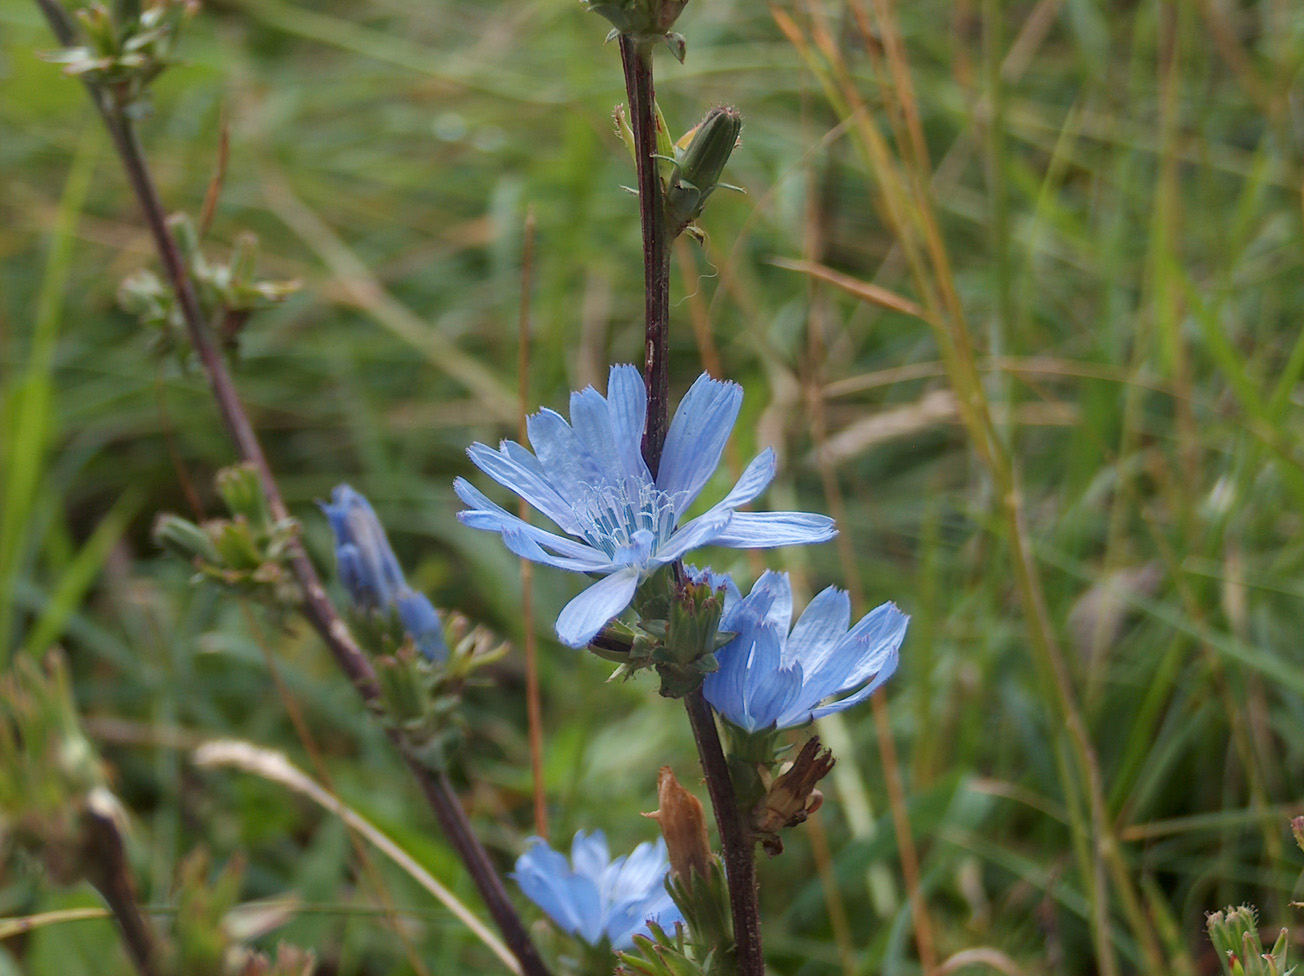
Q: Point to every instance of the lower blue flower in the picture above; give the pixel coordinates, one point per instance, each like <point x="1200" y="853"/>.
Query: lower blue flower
<point x="770" y="678"/>
<point x="597" y="899"/>
<point x="371" y="573"/>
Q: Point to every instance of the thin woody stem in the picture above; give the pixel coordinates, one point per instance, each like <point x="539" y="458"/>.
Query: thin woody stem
<point x="636" y="57"/>
<point x="735" y="837"/>
<point x="317" y="606"/>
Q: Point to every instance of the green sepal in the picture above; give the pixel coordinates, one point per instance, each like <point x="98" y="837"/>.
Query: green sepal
<point x="660" y="955"/>
<point x="248" y="552"/>
<point x="1234" y="932"/>
<point x="700" y="156"/>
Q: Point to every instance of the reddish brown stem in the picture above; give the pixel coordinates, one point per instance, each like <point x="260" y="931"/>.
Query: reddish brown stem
<point x="316" y="607"/>
<point x="636" y="57"/>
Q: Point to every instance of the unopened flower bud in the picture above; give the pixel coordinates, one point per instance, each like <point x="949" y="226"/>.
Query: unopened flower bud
<point x="699" y="164"/>
<point x="421" y="621"/>
<point x="644" y="19"/>
<point x="683" y="824"/>
<point x="694" y="622"/>
<point x="368" y="567"/>
<point x="242" y="493"/>
<point x="793" y="796"/>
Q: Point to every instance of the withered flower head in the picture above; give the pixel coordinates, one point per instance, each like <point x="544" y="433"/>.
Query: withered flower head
<point x="683" y="823"/>
<point x="792" y="797"/>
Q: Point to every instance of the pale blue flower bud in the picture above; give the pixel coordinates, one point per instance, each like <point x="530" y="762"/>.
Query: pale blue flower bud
<point x="371" y="573"/>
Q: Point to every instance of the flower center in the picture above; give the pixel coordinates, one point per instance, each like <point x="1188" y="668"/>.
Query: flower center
<point x="610" y="515"/>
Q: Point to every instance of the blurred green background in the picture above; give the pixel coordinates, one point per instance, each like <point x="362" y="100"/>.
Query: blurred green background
<point x="1118" y="187"/>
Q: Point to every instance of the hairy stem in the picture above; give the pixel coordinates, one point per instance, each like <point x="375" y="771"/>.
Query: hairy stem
<point x="317" y="606"/>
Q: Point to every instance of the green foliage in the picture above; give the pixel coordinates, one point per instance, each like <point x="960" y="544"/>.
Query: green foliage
<point x="50" y="774"/>
<point x="1117" y="188"/>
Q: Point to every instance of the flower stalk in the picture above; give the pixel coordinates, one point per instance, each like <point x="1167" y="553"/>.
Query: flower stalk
<point x="636" y="58"/>
<point x="316" y="606"/>
<point x="739" y="847"/>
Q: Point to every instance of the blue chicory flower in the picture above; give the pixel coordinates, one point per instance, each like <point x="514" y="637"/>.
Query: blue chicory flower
<point x="769" y="678"/>
<point x="589" y="477"/>
<point x="371" y="573"/>
<point x="595" y="898"/>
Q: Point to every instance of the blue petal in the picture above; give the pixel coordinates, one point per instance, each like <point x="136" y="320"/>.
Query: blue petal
<point x="374" y="573"/>
<point x="781" y="698"/>
<point x="889" y="668"/>
<point x="522" y="545"/>
<point x="510" y="468"/>
<point x="755" y="479"/>
<point x="568" y="899"/>
<point x="619" y="459"/>
<point x="765" y="530"/>
<point x="584" y="616"/>
<point x="767" y="688"/>
<point x="769" y="602"/>
<point x="701" y="531"/>
<point x="590" y="856"/>
<point x="858" y="656"/>
<point x="638" y="874"/>
<point x="353" y="575"/>
<point x="823" y="624"/>
<point x="422" y="623"/>
<point x="724" y="687"/>
<point x="628" y="919"/>
<point x="696" y="438"/>
<point x="571" y="469"/>
<point x="627" y="401"/>
<point x="485" y="514"/>
<point x="590" y="418"/>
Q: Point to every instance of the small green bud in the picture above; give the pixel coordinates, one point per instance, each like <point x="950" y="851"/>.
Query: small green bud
<point x="143" y="295"/>
<point x="100" y="29"/>
<point x="694" y="622"/>
<point x="638" y="18"/>
<point x="184" y="538"/>
<point x="700" y="158"/>
<point x="242" y="493"/>
<point x="128" y="12"/>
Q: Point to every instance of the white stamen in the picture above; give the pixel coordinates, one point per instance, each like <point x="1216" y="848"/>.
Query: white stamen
<point x="609" y="515"/>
